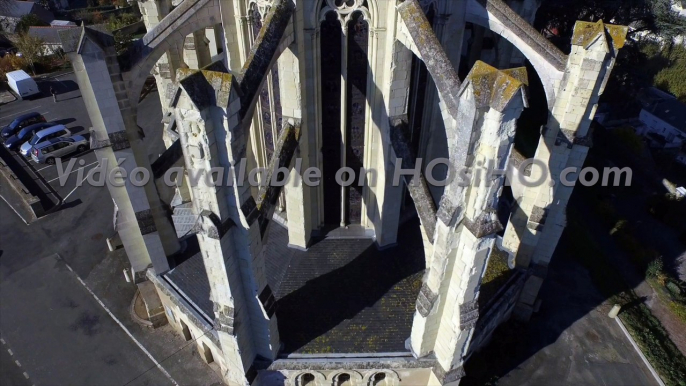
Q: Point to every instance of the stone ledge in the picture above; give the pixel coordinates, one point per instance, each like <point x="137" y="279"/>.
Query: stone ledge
<point x="526" y="32"/>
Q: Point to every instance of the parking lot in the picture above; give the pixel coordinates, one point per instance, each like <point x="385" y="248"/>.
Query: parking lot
<point x="70" y="111"/>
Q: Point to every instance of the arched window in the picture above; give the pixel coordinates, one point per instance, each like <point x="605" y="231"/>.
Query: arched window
<point x="344" y="49"/>
<point x="306" y="379"/>
<point x="330" y="84"/>
<point x="343" y="380"/>
<point x="379" y="379"/>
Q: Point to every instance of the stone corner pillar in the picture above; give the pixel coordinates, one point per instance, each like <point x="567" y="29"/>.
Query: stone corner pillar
<point x="230" y="231"/>
<point x="143" y="225"/>
<point x="539" y="218"/>
<point x="490" y="102"/>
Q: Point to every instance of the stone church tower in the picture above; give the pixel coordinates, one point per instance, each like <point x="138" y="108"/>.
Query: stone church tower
<point x="375" y="281"/>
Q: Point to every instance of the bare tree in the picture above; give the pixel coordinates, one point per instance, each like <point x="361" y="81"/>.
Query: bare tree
<point x="31" y="48"/>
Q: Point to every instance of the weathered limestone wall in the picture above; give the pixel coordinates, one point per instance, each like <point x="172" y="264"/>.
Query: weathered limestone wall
<point x="196" y="50"/>
<point x="180" y="313"/>
<point x="535" y="226"/>
<point x="209" y="128"/>
<point x="357" y="376"/>
<point x="233" y="17"/>
<point x="490" y="102"/>
<point x="298" y="196"/>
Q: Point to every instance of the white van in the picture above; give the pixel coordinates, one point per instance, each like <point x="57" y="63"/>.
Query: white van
<point x="22" y="83"/>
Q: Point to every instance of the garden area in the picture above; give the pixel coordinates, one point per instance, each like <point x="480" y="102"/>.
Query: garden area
<point x="30" y="53"/>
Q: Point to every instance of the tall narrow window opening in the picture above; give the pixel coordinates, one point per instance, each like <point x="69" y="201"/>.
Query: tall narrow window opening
<point x="330" y="41"/>
<point x="358" y="47"/>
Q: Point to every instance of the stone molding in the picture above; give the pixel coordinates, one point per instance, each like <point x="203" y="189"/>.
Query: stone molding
<point x="224" y="318"/>
<point x="146" y="222"/>
<point x="469" y="314"/>
<point x="426" y="300"/>
<point x="118" y="140"/>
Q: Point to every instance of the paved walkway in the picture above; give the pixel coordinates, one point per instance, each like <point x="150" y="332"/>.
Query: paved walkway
<point x="623" y="264"/>
<point x="570" y="341"/>
<point x="6" y="97"/>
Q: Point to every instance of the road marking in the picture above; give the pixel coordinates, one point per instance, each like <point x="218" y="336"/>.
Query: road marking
<point x="18" y="214"/>
<point x="26" y="375"/>
<point x="19" y="112"/>
<point x="45" y="167"/>
<point x="2" y="341"/>
<point x="73" y="171"/>
<point x="69" y="194"/>
<point x="18" y="364"/>
<point x="83" y="283"/>
<point x="10" y="351"/>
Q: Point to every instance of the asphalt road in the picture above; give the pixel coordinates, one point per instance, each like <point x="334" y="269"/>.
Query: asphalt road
<point x="57" y="330"/>
<point x="11" y="372"/>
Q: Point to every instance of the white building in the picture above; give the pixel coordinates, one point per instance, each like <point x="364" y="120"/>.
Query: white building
<point x="50" y="37"/>
<point x="664" y="121"/>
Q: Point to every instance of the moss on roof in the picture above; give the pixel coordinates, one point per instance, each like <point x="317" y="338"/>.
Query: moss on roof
<point x="206" y="87"/>
<point x="494" y="87"/>
<point x="586" y="32"/>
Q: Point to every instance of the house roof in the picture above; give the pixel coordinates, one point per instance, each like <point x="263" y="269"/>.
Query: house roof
<point x="57" y="23"/>
<point x="49" y="35"/>
<point x="18" y="9"/>
<point x="671" y="111"/>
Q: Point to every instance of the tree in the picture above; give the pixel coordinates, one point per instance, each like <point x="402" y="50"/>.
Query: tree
<point x="651" y="18"/>
<point x="668" y="23"/>
<point x="27" y="21"/>
<point x="31" y="48"/>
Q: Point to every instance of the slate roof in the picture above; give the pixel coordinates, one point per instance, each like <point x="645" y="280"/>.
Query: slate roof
<point x="49" y="35"/>
<point x="17" y="9"/>
<point x="185" y="219"/>
<point x="190" y="278"/>
<point x="340" y="296"/>
<point x="671" y="111"/>
<point x="343" y="295"/>
<point x="59" y="23"/>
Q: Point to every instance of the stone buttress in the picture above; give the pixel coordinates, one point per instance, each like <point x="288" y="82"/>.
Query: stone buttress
<point x="490" y="101"/>
<point x="143" y="225"/>
<point x="539" y="217"/>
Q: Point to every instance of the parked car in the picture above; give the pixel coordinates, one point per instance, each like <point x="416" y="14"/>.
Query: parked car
<point x="25" y="134"/>
<point x="21" y="122"/>
<point x="47" y="151"/>
<point x="42" y="136"/>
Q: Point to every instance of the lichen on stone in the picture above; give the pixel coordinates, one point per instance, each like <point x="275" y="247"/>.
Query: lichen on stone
<point x="586" y="32"/>
<point x="493" y="87"/>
